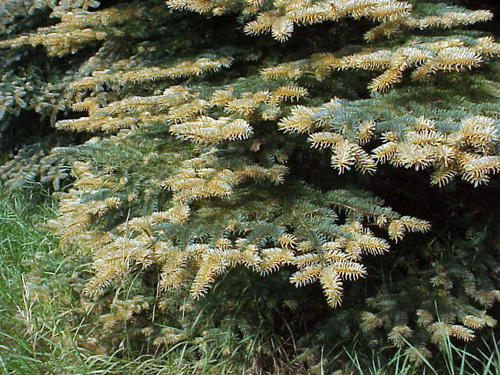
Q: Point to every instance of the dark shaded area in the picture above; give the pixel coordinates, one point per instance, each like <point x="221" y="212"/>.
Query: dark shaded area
<point x="28" y="128"/>
<point x="26" y="24"/>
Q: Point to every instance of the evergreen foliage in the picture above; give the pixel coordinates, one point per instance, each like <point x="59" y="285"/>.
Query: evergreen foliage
<point x="230" y="134"/>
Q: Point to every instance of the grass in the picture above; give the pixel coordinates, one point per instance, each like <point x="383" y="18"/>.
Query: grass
<point x="484" y="359"/>
<point x="34" y="334"/>
<point x="36" y="338"/>
<point x="31" y="338"/>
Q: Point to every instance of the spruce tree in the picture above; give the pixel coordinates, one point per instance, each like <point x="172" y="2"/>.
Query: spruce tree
<point x="269" y="135"/>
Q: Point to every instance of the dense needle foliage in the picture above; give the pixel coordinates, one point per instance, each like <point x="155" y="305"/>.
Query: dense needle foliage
<point x="230" y="140"/>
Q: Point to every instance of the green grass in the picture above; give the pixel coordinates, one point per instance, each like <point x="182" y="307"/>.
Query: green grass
<point x="482" y="358"/>
<point x="41" y="333"/>
<point x="31" y="340"/>
<point x="35" y="337"/>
